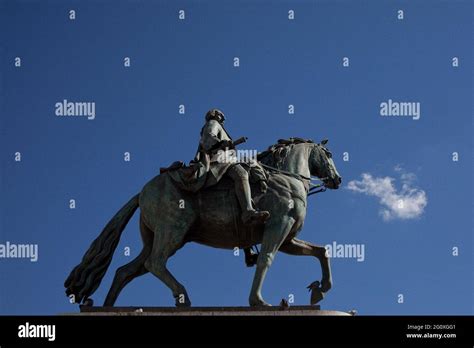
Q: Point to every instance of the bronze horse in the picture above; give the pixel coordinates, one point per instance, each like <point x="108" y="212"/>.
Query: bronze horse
<point x="171" y="217"/>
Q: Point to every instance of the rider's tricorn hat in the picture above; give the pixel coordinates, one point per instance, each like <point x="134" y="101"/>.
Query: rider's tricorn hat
<point x="215" y="114"/>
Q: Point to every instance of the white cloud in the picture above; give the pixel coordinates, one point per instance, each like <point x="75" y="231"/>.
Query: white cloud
<point x="408" y="203"/>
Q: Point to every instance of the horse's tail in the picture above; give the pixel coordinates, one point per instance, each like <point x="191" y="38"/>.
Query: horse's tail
<point x="85" y="278"/>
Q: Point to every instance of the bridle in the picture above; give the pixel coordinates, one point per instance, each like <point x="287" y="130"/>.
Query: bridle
<point x="307" y="181"/>
<point x="313" y="188"/>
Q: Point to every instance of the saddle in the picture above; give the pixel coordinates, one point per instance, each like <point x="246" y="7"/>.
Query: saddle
<point x="193" y="177"/>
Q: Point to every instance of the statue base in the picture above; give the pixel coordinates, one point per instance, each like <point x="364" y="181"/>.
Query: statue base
<point x="209" y="311"/>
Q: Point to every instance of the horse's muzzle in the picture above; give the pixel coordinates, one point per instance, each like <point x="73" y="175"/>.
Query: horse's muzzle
<point x="333" y="183"/>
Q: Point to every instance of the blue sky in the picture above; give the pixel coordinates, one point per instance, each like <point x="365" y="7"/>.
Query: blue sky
<point x="282" y="62"/>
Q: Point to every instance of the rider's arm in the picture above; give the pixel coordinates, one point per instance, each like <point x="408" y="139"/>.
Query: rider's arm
<point x="210" y="135"/>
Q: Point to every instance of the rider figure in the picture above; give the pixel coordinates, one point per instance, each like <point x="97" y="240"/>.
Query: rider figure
<point x="215" y="137"/>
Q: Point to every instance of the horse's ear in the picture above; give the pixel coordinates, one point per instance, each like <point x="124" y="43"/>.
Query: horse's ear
<point x="324" y="141"/>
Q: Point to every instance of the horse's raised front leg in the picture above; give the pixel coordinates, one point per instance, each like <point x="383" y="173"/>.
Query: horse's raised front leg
<point x="301" y="247"/>
<point x="276" y="231"/>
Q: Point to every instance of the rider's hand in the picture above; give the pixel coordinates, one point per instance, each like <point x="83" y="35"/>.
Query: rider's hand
<point x="227" y="144"/>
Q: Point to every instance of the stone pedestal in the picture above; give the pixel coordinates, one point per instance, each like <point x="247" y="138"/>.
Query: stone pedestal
<point x="208" y="311"/>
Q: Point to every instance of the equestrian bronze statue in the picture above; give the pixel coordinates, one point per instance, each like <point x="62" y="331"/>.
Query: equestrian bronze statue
<point x="219" y="201"/>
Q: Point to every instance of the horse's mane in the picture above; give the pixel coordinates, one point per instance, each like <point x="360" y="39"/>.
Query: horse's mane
<point x="275" y="154"/>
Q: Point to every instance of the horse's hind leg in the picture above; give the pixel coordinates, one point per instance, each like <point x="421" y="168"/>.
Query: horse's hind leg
<point x="166" y="242"/>
<point x="131" y="270"/>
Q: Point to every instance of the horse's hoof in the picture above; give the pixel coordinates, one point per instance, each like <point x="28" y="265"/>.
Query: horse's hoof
<point x="88" y="302"/>
<point x="183" y="305"/>
<point x="323" y="286"/>
<point x="316" y="296"/>
<point x="316" y="292"/>
<point x="182" y="302"/>
<point x="259" y="303"/>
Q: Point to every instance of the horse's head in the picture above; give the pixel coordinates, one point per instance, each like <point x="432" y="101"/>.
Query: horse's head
<point x="322" y="165"/>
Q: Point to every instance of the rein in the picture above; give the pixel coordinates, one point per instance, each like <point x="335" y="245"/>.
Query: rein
<point x="313" y="190"/>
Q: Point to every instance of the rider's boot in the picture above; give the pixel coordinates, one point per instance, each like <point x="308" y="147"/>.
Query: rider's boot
<point x="249" y="214"/>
